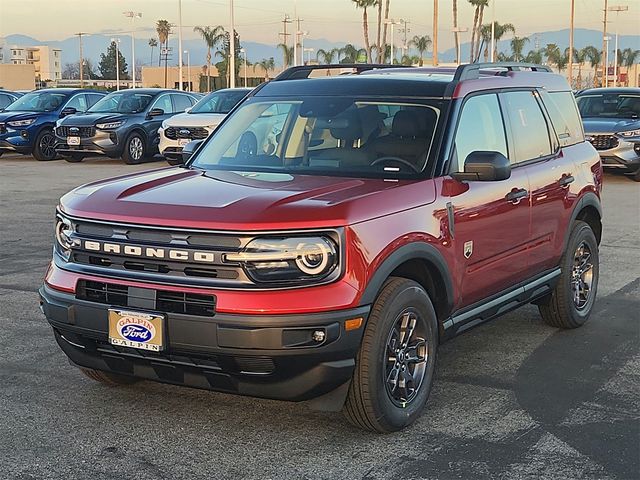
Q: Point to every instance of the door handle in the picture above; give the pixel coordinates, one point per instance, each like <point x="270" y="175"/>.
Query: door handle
<point x="516" y="195"/>
<point x="566" y="180"/>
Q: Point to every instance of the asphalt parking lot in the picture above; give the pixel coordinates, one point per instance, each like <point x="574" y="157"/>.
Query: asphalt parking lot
<point x="512" y="399"/>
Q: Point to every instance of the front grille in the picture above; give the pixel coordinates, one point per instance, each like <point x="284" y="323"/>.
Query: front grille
<point x="194" y="133"/>
<point x="70" y="131"/>
<point x="198" y="304"/>
<point x="604" y="142"/>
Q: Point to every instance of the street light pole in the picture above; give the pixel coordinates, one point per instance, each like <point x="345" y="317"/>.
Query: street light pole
<point x="232" y="48"/>
<point x="570" y="64"/>
<point x="81" y="60"/>
<point x="244" y="52"/>
<point x="617" y="9"/>
<point x="458" y="31"/>
<point x="493" y="31"/>
<point x="188" y="68"/>
<point x="180" y="43"/>
<point x="133" y="16"/>
<point x="435" y="33"/>
<point x="116" y="41"/>
<point x="391" y="22"/>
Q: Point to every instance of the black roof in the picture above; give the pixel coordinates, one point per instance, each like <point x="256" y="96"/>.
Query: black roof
<point x="66" y="90"/>
<point x="610" y="90"/>
<point x="414" y="84"/>
<point x="151" y="91"/>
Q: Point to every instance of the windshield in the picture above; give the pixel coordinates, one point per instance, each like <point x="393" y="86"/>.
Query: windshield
<point x="621" y="105"/>
<point x="38" y="102"/>
<point x="125" y="102"/>
<point x="221" y="101"/>
<point x="324" y="136"/>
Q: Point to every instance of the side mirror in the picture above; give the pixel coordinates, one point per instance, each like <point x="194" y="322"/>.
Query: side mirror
<point x="155" y="112"/>
<point x="484" y="167"/>
<point x="68" y="111"/>
<point x="188" y="110"/>
<point x="189" y="149"/>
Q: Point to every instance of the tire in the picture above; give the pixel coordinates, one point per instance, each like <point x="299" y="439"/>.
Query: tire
<point x="374" y="401"/>
<point x="43" y="150"/>
<point x="636" y="176"/>
<point x="135" y="149"/>
<point x="110" y="379"/>
<point x="564" y="307"/>
<point x="75" y="158"/>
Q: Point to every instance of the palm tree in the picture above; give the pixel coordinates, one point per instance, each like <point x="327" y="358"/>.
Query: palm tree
<point x="422" y="44"/>
<point x="364" y="4"/>
<point x="267" y="64"/>
<point x="629" y="58"/>
<point x="517" y="46"/>
<point x="352" y="53"/>
<point x="326" y="56"/>
<point x="580" y="57"/>
<point x="478" y="13"/>
<point x="212" y="37"/>
<point x="535" y="56"/>
<point x="287" y="54"/>
<point x="499" y="31"/>
<point x="163" y="29"/>
<point x="152" y="43"/>
<point x="410" y="60"/>
<point x="552" y="53"/>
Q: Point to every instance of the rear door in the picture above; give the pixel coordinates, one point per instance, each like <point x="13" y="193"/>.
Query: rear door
<point x="550" y="170"/>
<point x="491" y="218"/>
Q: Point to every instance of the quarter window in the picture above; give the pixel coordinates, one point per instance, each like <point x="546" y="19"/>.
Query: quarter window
<point x="78" y="102"/>
<point x="528" y="126"/>
<point x="181" y="103"/>
<point x="481" y="128"/>
<point x="564" y="117"/>
<point x="164" y="102"/>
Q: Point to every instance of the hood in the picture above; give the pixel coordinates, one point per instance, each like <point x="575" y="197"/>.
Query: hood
<point x="609" y="125"/>
<point x="13" y="116"/>
<point x="222" y="200"/>
<point x="194" y="120"/>
<point x="90" y="119"/>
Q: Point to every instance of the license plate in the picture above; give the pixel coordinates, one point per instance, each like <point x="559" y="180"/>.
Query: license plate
<point x="183" y="141"/>
<point x="136" y="330"/>
<point x="73" y="140"/>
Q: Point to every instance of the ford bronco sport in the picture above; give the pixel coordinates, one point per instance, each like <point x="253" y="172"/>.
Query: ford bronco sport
<point x="379" y="213"/>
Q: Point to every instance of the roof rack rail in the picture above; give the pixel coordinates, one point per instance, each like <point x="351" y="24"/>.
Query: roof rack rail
<point x="303" y="71"/>
<point x="471" y="71"/>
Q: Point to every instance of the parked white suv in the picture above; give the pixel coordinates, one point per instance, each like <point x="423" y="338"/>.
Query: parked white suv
<point x="198" y="122"/>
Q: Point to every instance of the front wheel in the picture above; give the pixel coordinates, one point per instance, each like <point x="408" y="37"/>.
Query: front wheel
<point x="74" y="158"/>
<point x="397" y="358"/>
<point x="134" y="149"/>
<point x="636" y="176"/>
<point x="571" y="302"/>
<point x="43" y="149"/>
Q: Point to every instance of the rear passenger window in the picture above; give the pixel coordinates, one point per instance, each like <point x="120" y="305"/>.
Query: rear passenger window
<point x="5" y="100"/>
<point x="528" y="126"/>
<point x="564" y="115"/>
<point x="164" y="102"/>
<point x="78" y="102"/>
<point x="93" y="99"/>
<point x="480" y="129"/>
<point x="181" y="103"/>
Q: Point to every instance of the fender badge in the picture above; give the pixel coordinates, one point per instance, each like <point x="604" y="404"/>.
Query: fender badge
<point x="468" y="249"/>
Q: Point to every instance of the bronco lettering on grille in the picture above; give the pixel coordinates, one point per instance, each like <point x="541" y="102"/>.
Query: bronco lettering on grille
<point x="149" y="252"/>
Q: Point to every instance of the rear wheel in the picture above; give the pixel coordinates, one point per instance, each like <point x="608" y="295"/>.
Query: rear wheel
<point x="110" y="379"/>
<point x="43" y="149"/>
<point x="396" y="362"/>
<point x="134" y="149"/>
<point x="571" y="302"/>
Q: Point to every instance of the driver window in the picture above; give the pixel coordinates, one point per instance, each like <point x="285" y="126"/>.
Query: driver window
<point x="79" y="102"/>
<point x="480" y="128"/>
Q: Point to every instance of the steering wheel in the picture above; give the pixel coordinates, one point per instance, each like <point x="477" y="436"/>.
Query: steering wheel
<point x="399" y="160"/>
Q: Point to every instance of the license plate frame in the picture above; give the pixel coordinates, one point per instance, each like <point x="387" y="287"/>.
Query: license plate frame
<point x="73" y="141"/>
<point x="137" y="329"/>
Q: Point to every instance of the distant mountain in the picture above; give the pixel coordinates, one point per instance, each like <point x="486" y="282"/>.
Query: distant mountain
<point x="94" y="45"/>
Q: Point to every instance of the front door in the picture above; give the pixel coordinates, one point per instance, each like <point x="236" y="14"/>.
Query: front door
<point x="491" y="219"/>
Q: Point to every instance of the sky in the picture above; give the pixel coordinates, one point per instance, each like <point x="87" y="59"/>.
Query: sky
<point x="261" y="20"/>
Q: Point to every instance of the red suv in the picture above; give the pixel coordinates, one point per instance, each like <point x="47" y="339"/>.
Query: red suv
<point x="331" y="233"/>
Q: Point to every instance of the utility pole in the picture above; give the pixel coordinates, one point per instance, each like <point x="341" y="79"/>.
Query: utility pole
<point x="116" y="41"/>
<point x="180" y="43"/>
<point x="79" y="35"/>
<point x="570" y="64"/>
<point x="232" y="48"/>
<point x="405" y="30"/>
<point x="284" y="34"/>
<point x="435" y="33"/>
<point x="133" y="16"/>
<point x="296" y="42"/>
<point x="605" y="48"/>
<point x="391" y="22"/>
<point x="617" y="9"/>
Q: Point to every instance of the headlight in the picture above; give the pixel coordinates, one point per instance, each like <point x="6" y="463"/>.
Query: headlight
<point x="64" y="230"/>
<point x="282" y="260"/>
<point x="629" y="134"/>
<point x="21" y="123"/>
<point x="109" y="125"/>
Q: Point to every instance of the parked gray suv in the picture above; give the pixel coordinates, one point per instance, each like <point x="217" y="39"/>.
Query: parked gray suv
<point x="611" y="119"/>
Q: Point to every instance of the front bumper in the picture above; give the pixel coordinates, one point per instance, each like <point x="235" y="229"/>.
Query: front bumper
<point x="19" y="141"/>
<point x="103" y="142"/>
<point x="172" y="148"/>
<point x="625" y="156"/>
<point x="261" y="355"/>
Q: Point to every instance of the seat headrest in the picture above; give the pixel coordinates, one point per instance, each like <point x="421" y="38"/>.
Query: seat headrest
<point x="597" y="108"/>
<point x="405" y="124"/>
<point x="349" y="130"/>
